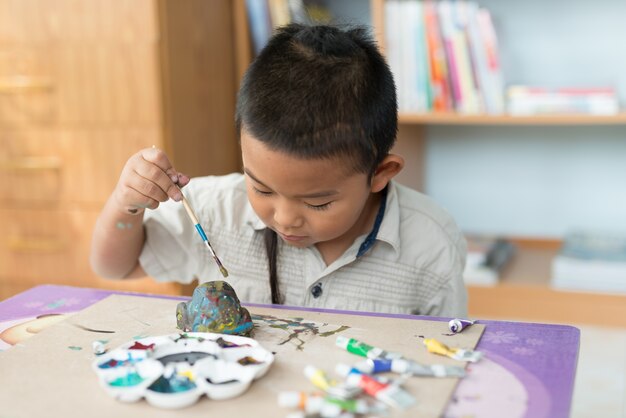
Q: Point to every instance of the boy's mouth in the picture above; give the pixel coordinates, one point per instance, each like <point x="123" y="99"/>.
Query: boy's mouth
<point x="292" y="238"/>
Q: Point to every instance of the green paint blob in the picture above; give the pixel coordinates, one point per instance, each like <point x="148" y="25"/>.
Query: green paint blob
<point x="131" y="379"/>
<point x="75" y="348"/>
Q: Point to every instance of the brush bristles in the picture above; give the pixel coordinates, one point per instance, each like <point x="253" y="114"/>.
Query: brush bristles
<point x="224" y="271"/>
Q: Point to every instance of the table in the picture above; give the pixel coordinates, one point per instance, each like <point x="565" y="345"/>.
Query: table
<point x="528" y="370"/>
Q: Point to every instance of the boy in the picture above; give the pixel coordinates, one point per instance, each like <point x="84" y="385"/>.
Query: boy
<point x="315" y="208"/>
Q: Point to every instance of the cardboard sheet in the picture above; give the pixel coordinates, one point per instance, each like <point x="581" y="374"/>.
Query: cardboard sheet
<point x="50" y="374"/>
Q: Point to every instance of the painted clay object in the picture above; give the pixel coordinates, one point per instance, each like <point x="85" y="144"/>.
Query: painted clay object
<point x="214" y="307"/>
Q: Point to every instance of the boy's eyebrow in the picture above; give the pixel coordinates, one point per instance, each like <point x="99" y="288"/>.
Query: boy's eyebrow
<point x="324" y="193"/>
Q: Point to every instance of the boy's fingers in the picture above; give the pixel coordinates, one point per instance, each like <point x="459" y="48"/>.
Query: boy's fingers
<point x="147" y="187"/>
<point x="154" y="175"/>
<point x="159" y="158"/>
<point x="183" y="179"/>
<point x="136" y="202"/>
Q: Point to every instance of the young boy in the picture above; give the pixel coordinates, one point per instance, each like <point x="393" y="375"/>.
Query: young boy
<point x="315" y="208"/>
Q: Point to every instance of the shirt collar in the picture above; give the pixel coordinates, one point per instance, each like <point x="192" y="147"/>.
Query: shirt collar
<point x="254" y="221"/>
<point x="370" y="239"/>
<point x="387" y="224"/>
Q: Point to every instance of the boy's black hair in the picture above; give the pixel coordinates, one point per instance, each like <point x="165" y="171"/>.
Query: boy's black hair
<point x="319" y="92"/>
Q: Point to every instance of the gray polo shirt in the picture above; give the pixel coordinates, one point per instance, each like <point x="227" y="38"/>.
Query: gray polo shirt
<point x="413" y="265"/>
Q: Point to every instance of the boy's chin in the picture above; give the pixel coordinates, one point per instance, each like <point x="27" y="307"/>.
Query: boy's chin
<point x="298" y="244"/>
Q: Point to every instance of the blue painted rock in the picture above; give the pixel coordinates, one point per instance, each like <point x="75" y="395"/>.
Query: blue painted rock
<point x="214" y="307"/>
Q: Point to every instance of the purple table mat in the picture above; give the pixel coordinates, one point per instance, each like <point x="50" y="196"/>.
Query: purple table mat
<point x="543" y="357"/>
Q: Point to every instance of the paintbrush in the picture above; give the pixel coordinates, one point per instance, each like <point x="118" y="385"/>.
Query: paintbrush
<point x="196" y="223"/>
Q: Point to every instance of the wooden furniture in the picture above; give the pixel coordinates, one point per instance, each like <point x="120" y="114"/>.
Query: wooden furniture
<point x="524" y="293"/>
<point x="83" y="86"/>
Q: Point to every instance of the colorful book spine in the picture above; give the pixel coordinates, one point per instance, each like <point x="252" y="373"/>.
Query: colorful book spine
<point x="494" y="86"/>
<point x="441" y="94"/>
<point x="422" y="91"/>
<point x="444" y="56"/>
<point x="447" y="32"/>
<point x="467" y="82"/>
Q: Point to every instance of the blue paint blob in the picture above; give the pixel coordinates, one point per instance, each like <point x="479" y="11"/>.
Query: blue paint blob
<point x="174" y="384"/>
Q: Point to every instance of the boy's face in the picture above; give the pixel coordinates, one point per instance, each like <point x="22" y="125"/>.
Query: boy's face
<point x="305" y="201"/>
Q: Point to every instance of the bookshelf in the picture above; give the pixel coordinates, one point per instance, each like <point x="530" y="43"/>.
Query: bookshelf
<point x="524" y="292"/>
<point x="456" y="119"/>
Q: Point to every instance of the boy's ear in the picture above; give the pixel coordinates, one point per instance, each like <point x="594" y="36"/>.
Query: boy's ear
<point x="387" y="169"/>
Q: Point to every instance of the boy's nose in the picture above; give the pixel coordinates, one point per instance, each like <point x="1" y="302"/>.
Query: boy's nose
<point x="287" y="217"/>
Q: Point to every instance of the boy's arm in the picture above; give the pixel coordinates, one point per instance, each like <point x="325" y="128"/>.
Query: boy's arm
<point x="117" y="242"/>
<point x="147" y="179"/>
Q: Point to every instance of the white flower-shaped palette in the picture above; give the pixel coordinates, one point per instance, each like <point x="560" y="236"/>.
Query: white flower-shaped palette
<point x="174" y="371"/>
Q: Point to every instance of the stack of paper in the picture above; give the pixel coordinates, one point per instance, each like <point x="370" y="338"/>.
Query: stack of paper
<point x="591" y="262"/>
<point x="527" y="101"/>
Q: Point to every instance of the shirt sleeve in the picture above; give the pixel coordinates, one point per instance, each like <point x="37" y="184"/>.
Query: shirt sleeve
<point x="450" y="301"/>
<point x="171" y="242"/>
<point x="451" y="298"/>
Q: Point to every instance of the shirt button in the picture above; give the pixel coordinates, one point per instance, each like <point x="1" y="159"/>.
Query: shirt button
<point x="316" y="291"/>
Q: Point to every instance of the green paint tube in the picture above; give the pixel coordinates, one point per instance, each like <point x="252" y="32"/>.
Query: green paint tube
<point x="364" y="350"/>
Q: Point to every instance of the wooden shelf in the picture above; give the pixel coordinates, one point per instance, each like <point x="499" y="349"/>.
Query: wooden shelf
<point x="524" y="293"/>
<point x="508" y="120"/>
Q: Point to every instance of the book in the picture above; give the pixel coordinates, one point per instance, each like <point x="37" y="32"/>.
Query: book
<point x="297" y="12"/>
<point x="444" y="57"/>
<point x="444" y="10"/>
<point x="419" y="71"/>
<point x="279" y="13"/>
<point x="264" y="16"/>
<point x="591" y="261"/>
<point x="484" y="52"/>
<point x="471" y="95"/>
<point x="259" y="21"/>
<point x="525" y="100"/>
<point x="393" y="50"/>
<point x="440" y="88"/>
<point x="486" y="259"/>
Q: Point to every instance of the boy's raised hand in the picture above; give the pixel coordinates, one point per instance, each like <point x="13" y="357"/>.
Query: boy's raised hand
<point x="147" y="179"/>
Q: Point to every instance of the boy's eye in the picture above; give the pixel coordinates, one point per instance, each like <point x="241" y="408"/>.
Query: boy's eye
<point x="261" y="192"/>
<point x="319" y="207"/>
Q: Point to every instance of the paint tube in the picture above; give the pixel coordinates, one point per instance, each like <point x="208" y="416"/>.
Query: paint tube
<point x="390" y="394"/>
<point x="457" y="325"/>
<point x="301" y="414"/>
<point x="310" y="404"/>
<point x="325" y="406"/>
<point x="364" y="350"/>
<point x="437" y="347"/>
<point x="405" y="366"/>
<point x="321" y="381"/>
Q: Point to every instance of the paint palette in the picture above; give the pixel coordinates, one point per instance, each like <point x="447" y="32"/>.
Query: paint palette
<point x="174" y="371"/>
